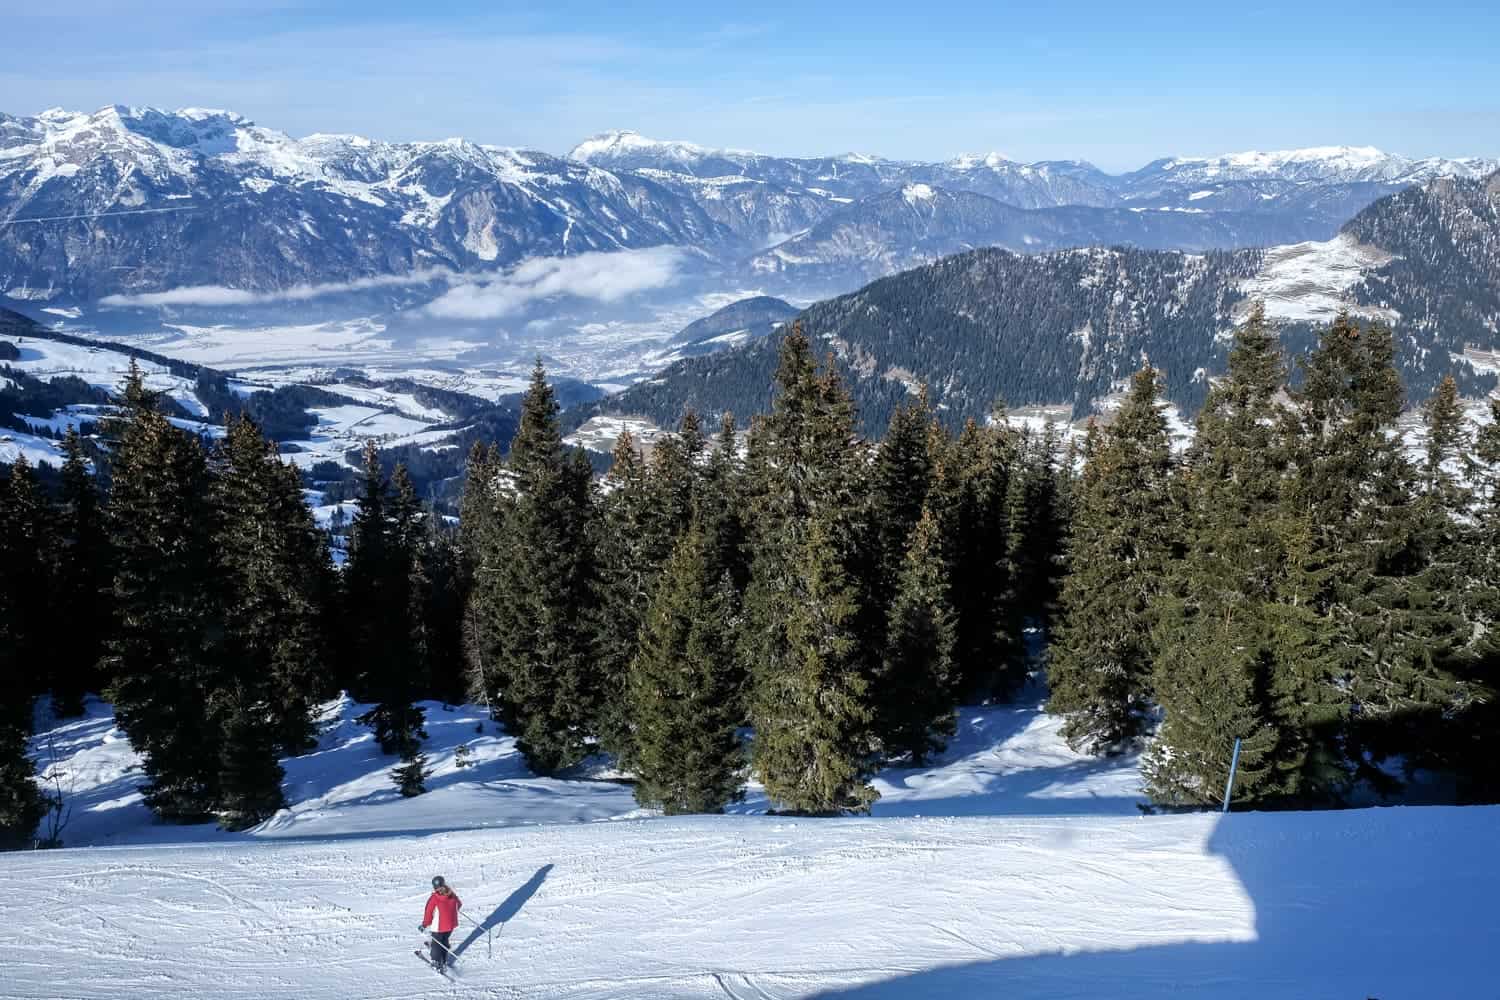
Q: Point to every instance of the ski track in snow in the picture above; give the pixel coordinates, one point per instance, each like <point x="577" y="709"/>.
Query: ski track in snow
<point x="1010" y="867"/>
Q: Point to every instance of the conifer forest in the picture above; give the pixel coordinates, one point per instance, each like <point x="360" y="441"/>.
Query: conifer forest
<point x="777" y="597"/>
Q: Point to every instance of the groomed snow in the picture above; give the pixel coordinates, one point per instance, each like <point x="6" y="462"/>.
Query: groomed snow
<point x="993" y="892"/>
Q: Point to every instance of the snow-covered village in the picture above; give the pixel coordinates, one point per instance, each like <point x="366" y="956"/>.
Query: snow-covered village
<point x="555" y="501"/>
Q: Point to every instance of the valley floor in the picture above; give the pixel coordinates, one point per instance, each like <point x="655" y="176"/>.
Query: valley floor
<point x="1009" y="869"/>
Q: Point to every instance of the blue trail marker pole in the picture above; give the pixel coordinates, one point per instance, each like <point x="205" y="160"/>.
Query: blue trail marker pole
<point x="1234" y="764"/>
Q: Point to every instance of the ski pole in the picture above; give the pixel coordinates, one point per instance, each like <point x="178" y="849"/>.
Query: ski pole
<point x="489" y="934"/>
<point x="433" y="940"/>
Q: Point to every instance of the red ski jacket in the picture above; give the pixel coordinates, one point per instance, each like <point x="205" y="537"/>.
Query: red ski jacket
<point x="446" y="910"/>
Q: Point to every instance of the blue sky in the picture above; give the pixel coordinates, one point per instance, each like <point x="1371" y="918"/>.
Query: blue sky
<point x="1115" y="83"/>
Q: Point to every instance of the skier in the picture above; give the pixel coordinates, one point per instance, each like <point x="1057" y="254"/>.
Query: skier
<point x="441" y="914"/>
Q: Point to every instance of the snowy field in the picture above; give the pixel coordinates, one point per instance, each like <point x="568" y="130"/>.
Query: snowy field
<point x="1309" y="282"/>
<point x="1011" y="868"/>
<point x="101" y="368"/>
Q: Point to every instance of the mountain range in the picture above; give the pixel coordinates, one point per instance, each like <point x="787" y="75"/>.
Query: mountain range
<point x="1066" y="328"/>
<point x="130" y="200"/>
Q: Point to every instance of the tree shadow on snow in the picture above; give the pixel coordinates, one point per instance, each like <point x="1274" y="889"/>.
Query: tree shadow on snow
<point x="1380" y="903"/>
<point x="506" y="910"/>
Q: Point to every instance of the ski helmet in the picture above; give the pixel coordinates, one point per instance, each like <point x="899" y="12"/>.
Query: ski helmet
<point x="437" y="882"/>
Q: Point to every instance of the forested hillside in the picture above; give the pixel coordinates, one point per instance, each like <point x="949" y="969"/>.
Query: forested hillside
<point x="1069" y="327"/>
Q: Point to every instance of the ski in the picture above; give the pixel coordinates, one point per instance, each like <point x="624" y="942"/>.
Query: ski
<point x="428" y="962"/>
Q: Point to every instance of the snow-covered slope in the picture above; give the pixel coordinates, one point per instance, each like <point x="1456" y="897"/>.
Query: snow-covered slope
<point x="1004" y="760"/>
<point x="1028" y="874"/>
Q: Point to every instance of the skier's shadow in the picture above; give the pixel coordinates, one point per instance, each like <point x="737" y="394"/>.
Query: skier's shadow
<point x="505" y="910"/>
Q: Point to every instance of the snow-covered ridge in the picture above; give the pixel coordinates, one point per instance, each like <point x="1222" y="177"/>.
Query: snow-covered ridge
<point x="611" y="143"/>
<point x="1342" y="164"/>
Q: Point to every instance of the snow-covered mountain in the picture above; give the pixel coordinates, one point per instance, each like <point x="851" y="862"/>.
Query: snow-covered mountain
<point x="1316" y="165"/>
<point x="167" y="199"/>
<point x="844" y="220"/>
<point x="142" y="200"/>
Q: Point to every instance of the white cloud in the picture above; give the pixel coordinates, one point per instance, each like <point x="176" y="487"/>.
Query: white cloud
<point x="219" y="295"/>
<point x="603" y="277"/>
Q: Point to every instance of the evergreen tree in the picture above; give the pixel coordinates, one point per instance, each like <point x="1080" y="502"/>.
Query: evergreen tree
<point x="1121" y="543"/>
<point x="719" y="511"/>
<point x="1388" y="590"/>
<point x="538" y="628"/>
<point x="167" y="650"/>
<point x="971" y="503"/>
<point x="22" y="585"/>
<point x="277" y="569"/>
<point x="637" y="527"/>
<point x="382" y="591"/>
<point x="899" y="483"/>
<point x="81" y="582"/>
<point x="915" y="696"/>
<point x="26" y="606"/>
<point x="800" y="642"/>
<point x="22" y="804"/>
<point x="1476" y="743"/>
<point x="487" y="498"/>
<point x="249" y="774"/>
<point x="1036" y="537"/>
<point x="811" y="709"/>
<point x="1215" y="655"/>
<point x="447" y="583"/>
<point x="411" y="776"/>
<point x="682" y="698"/>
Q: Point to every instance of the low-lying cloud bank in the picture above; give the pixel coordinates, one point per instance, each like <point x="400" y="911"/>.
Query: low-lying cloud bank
<point x="601" y="276"/>
<point x="220" y="295"/>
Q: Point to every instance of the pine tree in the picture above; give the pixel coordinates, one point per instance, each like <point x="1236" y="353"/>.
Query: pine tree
<point x="22" y="804"/>
<point x="1388" y="593"/>
<point x="800" y="641"/>
<point x="811" y="709"/>
<point x="446" y="587"/>
<point x="720" y="513"/>
<point x="383" y="587"/>
<point x="81" y="581"/>
<point x="1121" y="543"/>
<point x="278" y="573"/>
<point x="970" y="502"/>
<point x="482" y="511"/>
<point x="1476" y="743"/>
<point x="167" y="650"/>
<point x="1215" y="655"/>
<point x="682" y="698"/>
<point x="1035" y="539"/>
<point x="915" y="695"/>
<point x="249" y="774"/>
<point x="411" y="776"/>
<point x="26" y="606"/>
<point x="22" y="584"/>
<point x="899" y="483"/>
<point x="538" y="626"/>
<point x="633" y="542"/>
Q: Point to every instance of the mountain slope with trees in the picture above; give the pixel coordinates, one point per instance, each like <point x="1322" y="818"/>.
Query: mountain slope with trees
<point x="1070" y="327"/>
